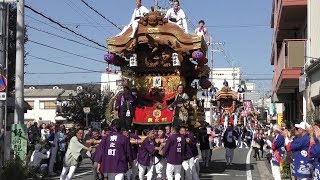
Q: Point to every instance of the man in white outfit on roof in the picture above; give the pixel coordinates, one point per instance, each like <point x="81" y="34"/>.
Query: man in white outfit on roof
<point x="176" y="15"/>
<point x="138" y="12"/>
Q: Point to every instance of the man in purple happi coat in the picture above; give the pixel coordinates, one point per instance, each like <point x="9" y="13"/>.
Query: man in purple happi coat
<point x="146" y="155"/>
<point x="188" y="163"/>
<point x="125" y="107"/>
<point x="174" y="151"/>
<point x="114" y="154"/>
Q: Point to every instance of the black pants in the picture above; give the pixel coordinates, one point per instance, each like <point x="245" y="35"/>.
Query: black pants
<point x="261" y="148"/>
<point x="256" y="153"/>
<point x="125" y="122"/>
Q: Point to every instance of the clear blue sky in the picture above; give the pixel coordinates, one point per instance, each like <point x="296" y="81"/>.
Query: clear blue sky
<point x="243" y="25"/>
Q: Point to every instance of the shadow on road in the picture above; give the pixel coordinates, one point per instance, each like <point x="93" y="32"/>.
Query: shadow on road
<point x="221" y="167"/>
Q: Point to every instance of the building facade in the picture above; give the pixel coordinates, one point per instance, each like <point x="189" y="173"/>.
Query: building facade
<point x="111" y="81"/>
<point x="312" y="68"/>
<point x="232" y="75"/>
<point x="46" y="100"/>
<point x="289" y="23"/>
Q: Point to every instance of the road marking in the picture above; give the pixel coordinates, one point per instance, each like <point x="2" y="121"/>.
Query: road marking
<point x="213" y="174"/>
<point x="249" y="175"/>
<point x="84" y="173"/>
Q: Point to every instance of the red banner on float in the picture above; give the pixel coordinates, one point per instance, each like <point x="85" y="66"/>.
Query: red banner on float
<point x="151" y="115"/>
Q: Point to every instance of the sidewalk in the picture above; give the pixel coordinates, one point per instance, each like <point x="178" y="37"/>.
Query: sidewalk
<point x="264" y="169"/>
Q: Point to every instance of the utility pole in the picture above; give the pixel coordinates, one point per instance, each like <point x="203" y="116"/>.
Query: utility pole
<point x="2" y="53"/>
<point x="2" y="66"/>
<point x="19" y="86"/>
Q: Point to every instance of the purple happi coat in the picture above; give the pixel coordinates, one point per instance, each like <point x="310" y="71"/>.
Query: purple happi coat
<point x="145" y="152"/>
<point x="124" y="103"/>
<point x="114" y="153"/>
<point x="174" y="150"/>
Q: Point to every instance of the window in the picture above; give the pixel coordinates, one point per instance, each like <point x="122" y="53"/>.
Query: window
<point x="31" y="103"/>
<point x="47" y="105"/>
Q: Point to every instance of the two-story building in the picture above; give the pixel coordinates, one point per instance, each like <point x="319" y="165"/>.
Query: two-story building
<point x="45" y="101"/>
<point x="289" y="23"/>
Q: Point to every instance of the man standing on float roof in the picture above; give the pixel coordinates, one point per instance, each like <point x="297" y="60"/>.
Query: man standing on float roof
<point x="176" y="15"/>
<point x="138" y="12"/>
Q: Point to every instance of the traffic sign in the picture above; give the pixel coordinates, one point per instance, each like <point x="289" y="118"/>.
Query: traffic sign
<point x="86" y="110"/>
<point x="3" y="83"/>
<point x="19" y="140"/>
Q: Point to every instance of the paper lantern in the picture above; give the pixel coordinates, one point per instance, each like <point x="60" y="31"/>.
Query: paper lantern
<point x="196" y="55"/>
<point x="109" y="58"/>
<point x="203" y="61"/>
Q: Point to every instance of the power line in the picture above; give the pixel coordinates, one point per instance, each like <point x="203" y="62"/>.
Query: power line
<point x="62" y="26"/>
<point x="83" y="12"/>
<point x="59" y="73"/>
<point x="68" y="39"/>
<point x="237" y="26"/>
<point x="45" y="45"/>
<point x="207" y="25"/>
<point x="114" y="24"/>
<point x="54" y="62"/>
<point x="49" y="24"/>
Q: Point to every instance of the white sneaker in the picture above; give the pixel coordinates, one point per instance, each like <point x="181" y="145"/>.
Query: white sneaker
<point x="230" y="164"/>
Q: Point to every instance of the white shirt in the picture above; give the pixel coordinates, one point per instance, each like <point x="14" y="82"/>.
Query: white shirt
<point x="201" y="33"/>
<point x="139" y="12"/>
<point x="180" y="17"/>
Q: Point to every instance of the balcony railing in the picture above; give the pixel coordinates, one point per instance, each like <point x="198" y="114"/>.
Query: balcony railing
<point x="292" y="55"/>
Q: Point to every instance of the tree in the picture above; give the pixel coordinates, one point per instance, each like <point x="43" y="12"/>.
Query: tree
<point x="89" y="96"/>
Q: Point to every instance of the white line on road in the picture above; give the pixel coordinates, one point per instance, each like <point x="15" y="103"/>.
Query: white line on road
<point x="249" y="175"/>
<point x="213" y="174"/>
<point x="81" y="174"/>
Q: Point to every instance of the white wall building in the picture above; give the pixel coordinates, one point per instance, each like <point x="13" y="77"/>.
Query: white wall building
<point x="43" y="101"/>
<point x="232" y="75"/>
<point x="249" y="87"/>
<point x="111" y="81"/>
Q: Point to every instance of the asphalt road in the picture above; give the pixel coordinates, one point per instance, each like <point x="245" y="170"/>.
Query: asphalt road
<point x="242" y="168"/>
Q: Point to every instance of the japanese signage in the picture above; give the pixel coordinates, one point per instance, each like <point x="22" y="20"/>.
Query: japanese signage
<point x="280" y="119"/>
<point x="157" y="81"/>
<point x="86" y="110"/>
<point x="133" y="62"/>
<point x="149" y="115"/>
<point x="112" y="147"/>
<point x="19" y="140"/>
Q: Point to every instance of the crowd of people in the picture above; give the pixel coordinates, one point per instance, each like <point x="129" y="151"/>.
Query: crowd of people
<point x="161" y="152"/>
<point x="303" y="147"/>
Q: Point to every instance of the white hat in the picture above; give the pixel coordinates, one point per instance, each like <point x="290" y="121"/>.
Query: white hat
<point x="276" y="127"/>
<point x="303" y="125"/>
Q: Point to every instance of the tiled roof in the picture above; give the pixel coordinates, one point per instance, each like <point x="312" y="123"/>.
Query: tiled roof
<point x="43" y="92"/>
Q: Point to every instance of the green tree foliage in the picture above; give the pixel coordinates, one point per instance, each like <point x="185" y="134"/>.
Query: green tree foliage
<point x="90" y="96"/>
